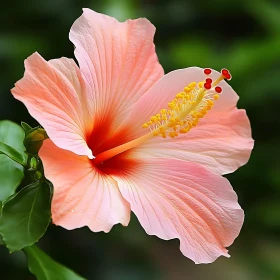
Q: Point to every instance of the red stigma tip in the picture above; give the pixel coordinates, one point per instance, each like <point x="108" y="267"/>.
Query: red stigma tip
<point x="224" y="71"/>
<point x="218" y="89"/>
<point x="209" y="81"/>
<point x="207" y="85"/>
<point x="226" y="74"/>
<point x="228" y="77"/>
<point x="207" y="71"/>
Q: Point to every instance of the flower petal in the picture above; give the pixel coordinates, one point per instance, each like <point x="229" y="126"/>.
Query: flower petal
<point x="117" y="60"/>
<point x="221" y="143"/>
<point x="222" y="140"/>
<point x="175" y="199"/>
<point x="82" y="196"/>
<point x="53" y="93"/>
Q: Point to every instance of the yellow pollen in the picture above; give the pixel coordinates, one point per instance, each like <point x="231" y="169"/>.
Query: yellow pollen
<point x="145" y="125"/>
<point x="200" y="84"/>
<point x="184" y="111"/>
<point x="192" y="85"/>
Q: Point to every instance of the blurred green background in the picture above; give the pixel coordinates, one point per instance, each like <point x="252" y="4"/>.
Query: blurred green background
<point x="243" y="36"/>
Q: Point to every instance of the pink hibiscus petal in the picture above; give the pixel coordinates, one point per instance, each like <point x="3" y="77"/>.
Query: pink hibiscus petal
<point x="117" y="60"/>
<point x="82" y="196"/>
<point x="53" y="92"/>
<point x="176" y="199"/>
<point x="222" y="140"/>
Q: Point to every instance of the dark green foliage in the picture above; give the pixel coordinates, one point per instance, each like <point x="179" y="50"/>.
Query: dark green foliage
<point x="26" y="216"/>
<point x="45" y="268"/>
<point x="11" y="157"/>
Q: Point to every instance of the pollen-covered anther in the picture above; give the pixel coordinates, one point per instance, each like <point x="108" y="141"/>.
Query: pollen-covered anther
<point x="201" y="84"/>
<point x="145" y="125"/>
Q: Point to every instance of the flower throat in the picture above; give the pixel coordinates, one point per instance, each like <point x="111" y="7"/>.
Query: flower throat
<point x="183" y="113"/>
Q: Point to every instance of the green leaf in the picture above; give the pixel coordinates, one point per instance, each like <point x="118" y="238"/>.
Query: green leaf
<point x="45" y="268"/>
<point x="11" y="173"/>
<point x="26" y="216"/>
<point x="12" y="154"/>
<point x="26" y="127"/>
<point x="1" y="241"/>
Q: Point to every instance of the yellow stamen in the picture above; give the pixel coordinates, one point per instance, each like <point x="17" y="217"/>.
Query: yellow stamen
<point x="185" y="110"/>
<point x="145" y="125"/>
<point x="200" y="84"/>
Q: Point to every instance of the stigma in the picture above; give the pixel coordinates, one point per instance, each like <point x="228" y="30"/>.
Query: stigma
<point x="188" y="107"/>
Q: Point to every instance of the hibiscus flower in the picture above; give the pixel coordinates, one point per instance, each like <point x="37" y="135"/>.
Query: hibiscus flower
<point x="123" y="136"/>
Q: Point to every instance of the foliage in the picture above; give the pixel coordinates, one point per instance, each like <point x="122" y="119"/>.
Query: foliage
<point x="26" y="216"/>
<point x="45" y="268"/>
<point x="11" y="143"/>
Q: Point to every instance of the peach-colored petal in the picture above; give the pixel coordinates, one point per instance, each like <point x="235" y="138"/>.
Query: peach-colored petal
<point x="53" y="93"/>
<point x="117" y="60"/>
<point x="222" y="143"/>
<point x="82" y="196"/>
<point x="175" y="199"/>
<point x="222" y="140"/>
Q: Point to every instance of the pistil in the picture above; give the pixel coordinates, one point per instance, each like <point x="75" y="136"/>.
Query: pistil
<point x="122" y="148"/>
<point x="184" y="113"/>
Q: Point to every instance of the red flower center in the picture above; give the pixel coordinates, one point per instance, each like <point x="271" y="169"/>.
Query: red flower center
<point x="102" y="139"/>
